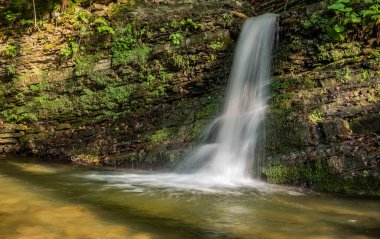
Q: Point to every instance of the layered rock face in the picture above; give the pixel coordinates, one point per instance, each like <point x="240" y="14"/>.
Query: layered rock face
<point x="324" y="122"/>
<point x="134" y="84"/>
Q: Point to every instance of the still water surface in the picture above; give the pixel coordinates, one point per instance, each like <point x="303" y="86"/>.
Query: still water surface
<point x="39" y="200"/>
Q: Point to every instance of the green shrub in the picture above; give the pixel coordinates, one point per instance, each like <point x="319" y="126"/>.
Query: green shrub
<point x="352" y="17"/>
<point x="137" y="56"/>
<point x="9" y="51"/>
<point x="176" y="38"/>
<point x="103" y="26"/>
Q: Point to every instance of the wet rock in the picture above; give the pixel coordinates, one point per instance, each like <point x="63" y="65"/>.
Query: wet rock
<point x="366" y="124"/>
<point x="5" y="141"/>
<point x="4" y="131"/>
<point x="101" y="65"/>
<point x="335" y="128"/>
<point x="336" y="163"/>
<point x="10" y="149"/>
<point x="64" y="126"/>
<point x="10" y="135"/>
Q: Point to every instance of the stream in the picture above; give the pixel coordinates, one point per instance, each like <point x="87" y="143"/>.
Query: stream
<point x="45" y="200"/>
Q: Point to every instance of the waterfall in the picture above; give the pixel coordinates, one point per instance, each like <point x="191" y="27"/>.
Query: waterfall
<point x="232" y="149"/>
<point x="233" y="145"/>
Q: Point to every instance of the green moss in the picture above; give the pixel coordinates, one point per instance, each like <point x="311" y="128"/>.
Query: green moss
<point x="137" y="56"/>
<point x="364" y="76"/>
<point x="159" y="136"/>
<point x="84" y="64"/>
<point x="280" y="174"/>
<point x="316" y="116"/>
<point x="2" y="97"/>
<point x="334" y="52"/>
<point x="207" y="111"/>
<point x="317" y="175"/>
<point x="198" y="128"/>
<point x="283" y="101"/>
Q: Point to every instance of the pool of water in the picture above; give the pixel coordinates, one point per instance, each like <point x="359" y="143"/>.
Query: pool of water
<point x="40" y="200"/>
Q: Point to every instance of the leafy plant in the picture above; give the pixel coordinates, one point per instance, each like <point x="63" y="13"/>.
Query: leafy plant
<point x="127" y="49"/>
<point x="11" y="70"/>
<point x="70" y="50"/>
<point x="176" y="38"/>
<point x="10" y="51"/>
<point x="103" y="26"/>
<point x="180" y="62"/>
<point x="137" y="56"/>
<point x="189" y="24"/>
<point x="226" y="19"/>
<point x="350" y="13"/>
<point x="216" y="45"/>
<point x="126" y="39"/>
<point x="26" y="22"/>
<point x="11" y="17"/>
<point x="316" y="116"/>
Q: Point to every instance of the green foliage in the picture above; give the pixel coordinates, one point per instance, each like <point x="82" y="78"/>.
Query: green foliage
<point x="20" y="12"/>
<point x="70" y="50"/>
<point x="120" y="94"/>
<point x="282" y="101"/>
<point x="278" y="85"/>
<point x="317" y="20"/>
<point x="11" y="70"/>
<point x="11" y="16"/>
<point x="9" y="51"/>
<point x="189" y="24"/>
<point x="137" y="56"/>
<point x="208" y="111"/>
<point x="152" y="87"/>
<point x="216" y="45"/>
<point x="103" y="26"/>
<point x="159" y="136"/>
<point x="2" y="97"/>
<point x="226" y="19"/>
<point x="102" y="80"/>
<point x="343" y="76"/>
<point x="317" y="174"/>
<point x="126" y="39"/>
<point x="350" y="14"/>
<point x="127" y="49"/>
<point x="279" y="174"/>
<point x="84" y="63"/>
<point x="364" y="76"/>
<point x="26" y="22"/>
<point x="176" y="38"/>
<point x="316" y="116"/>
<point x="180" y="62"/>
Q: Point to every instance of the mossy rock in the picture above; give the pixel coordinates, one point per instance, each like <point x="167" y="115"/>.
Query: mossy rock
<point x="319" y="176"/>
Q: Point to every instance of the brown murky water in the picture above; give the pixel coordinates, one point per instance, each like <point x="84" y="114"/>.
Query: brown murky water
<point x="57" y="201"/>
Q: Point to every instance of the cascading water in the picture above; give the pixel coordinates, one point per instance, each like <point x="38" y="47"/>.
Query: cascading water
<point x="232" y="150"/>
<point x="231" y="153"/>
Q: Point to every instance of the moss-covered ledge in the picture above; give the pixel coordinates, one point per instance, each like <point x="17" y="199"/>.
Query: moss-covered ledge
<point x="319" y="175"/>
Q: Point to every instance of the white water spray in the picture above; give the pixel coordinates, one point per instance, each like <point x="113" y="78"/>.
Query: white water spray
<point x="235" y="150"/>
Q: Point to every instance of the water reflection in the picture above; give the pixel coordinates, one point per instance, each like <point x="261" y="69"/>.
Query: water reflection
<point x="55" y="201"/>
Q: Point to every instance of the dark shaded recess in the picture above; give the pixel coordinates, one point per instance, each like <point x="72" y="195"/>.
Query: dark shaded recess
<point x="366" y="124"/>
